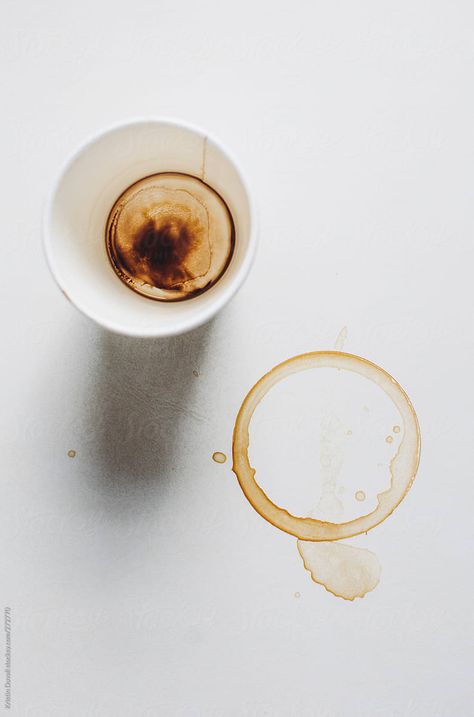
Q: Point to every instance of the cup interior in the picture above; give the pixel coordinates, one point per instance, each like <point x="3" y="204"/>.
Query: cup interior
<point x="86" y="190"/>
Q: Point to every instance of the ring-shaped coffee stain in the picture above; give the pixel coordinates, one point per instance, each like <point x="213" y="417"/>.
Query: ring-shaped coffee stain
<point x="403" y="466"/>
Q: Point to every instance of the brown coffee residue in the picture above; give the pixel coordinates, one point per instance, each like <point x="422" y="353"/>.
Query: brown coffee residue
<point x="341" y="339"/>
<point x="163" y="250"/>
<point x="71" y="454"/>
<point x="403" y="466"/>
<point x="170" y="236"/>
<point x="344" y="570"/>
<point x="219" y="457"/>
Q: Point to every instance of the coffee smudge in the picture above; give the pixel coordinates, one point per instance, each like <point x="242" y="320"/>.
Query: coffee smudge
<point x="396" y="429"/>
<point x="330" y="448"/>
<point x="344" y="570"/>
<point x="340" y="571"/>
<point x="71" y="454"/>
<point x="219" y="457"/>
<point x="389" y="439"/>
<point x="360" y="495"/>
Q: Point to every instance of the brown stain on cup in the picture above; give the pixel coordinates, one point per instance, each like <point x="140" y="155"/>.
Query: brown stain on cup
<point x="170" y="236"/>
<point x="164" y="248"/>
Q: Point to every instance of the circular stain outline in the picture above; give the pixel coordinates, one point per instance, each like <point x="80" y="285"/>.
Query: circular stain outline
<point x="403" y="466"/>
<point x="143" y="288"/>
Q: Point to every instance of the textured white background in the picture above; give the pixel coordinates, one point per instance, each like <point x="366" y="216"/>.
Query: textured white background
<point x="141" y="582"/>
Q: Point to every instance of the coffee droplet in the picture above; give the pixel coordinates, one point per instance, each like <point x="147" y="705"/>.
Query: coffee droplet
<point x="219" y="457"/>
<point x="360" y="495"/>
<point x="396" y="429"/>
<point x="170" y="236"/>
<point x="297" y="595"/>
<point x="71" y="454"/>
<point x="389" y="439"/>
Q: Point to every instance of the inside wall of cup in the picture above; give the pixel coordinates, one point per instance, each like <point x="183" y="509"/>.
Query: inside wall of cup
<point x="91" y="185"/>
<point x="222" y="175"/>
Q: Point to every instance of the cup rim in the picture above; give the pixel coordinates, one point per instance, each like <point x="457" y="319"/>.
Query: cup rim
<point x="181" y="326"/>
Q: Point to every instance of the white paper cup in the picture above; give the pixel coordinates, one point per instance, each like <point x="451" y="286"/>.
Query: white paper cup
<point x="77" y="212"/>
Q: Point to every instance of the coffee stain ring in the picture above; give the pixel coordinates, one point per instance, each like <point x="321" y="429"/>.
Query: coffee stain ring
<point x="403" y="466"/>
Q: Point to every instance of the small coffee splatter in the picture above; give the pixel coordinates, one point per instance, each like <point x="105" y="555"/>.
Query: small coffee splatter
<point x="360" y="495"/>
<point x="71" y="454"/>
<point x="396" y="429"/>
<point x="195" y="373"/>
<point x="389" y="439"/>
<point x="341" y="339"/>
<point x="219" y="457"/>
<point x="344" y="570"/>
<point x="297" y="595"/>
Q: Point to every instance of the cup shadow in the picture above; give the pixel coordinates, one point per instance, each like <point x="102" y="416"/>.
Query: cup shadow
<point x="141" y="393"/>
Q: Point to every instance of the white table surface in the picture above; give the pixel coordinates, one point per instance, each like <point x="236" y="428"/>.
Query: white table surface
<point x="141" y="582"/>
